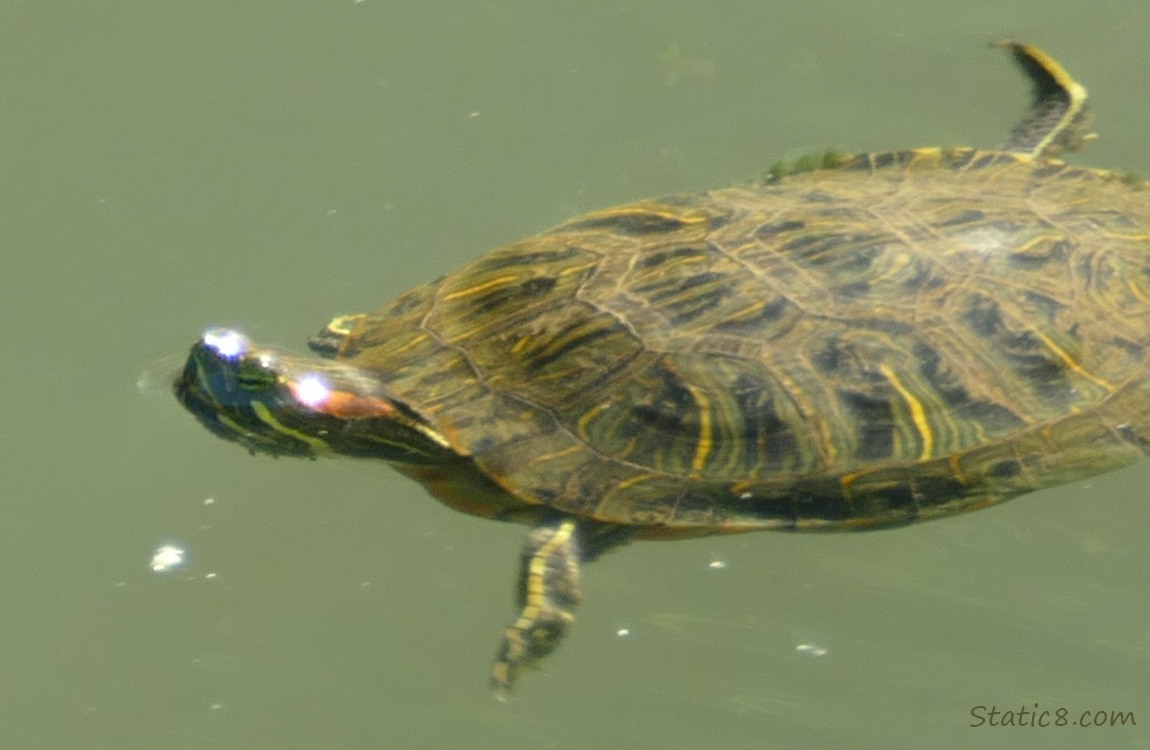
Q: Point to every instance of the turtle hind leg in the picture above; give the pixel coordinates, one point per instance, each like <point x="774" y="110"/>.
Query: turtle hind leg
<point x="550" y="587"/>
<point x="1058" y="115"/>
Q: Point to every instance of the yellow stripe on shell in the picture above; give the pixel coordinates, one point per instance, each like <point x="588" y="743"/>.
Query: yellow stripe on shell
<point x="631" y="482"/>
<point x="557" y="454"/>
<point x="414" y="342"/>
<point x="644" y="210"/>
<point x="585" y="421"/>
<point x="1072" y="363"/>
<point x="495" y="283"/>
<point x="706" y="434"/>
<point x="917" y="413"/>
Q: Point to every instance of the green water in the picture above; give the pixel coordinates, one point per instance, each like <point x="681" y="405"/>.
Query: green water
<point x="168" y="166"/>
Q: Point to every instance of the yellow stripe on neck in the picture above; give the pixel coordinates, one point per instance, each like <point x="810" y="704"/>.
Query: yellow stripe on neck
<point x="265" y="415"/>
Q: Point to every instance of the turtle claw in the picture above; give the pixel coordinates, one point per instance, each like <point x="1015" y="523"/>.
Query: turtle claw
<point x="524" y="643"/>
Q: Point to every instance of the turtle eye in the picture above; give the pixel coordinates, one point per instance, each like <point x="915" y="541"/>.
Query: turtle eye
<point x="255" y="374"/>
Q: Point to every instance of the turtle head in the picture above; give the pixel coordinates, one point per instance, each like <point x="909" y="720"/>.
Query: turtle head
<point x="287" y="405"/>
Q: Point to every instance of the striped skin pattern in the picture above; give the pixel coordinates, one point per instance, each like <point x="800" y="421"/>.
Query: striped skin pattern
<point x="907" y="335"/>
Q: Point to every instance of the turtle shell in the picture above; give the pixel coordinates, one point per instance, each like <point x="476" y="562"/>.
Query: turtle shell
<point x="900" y="336"/>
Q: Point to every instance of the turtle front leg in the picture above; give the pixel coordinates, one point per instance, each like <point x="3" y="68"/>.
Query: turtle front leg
<point x="550" y="587"/>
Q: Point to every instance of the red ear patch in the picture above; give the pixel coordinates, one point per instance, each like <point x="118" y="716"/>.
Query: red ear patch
<point x="343" y="404"/>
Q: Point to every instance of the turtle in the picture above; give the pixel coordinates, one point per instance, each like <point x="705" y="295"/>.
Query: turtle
<point x="852" y="342"/>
